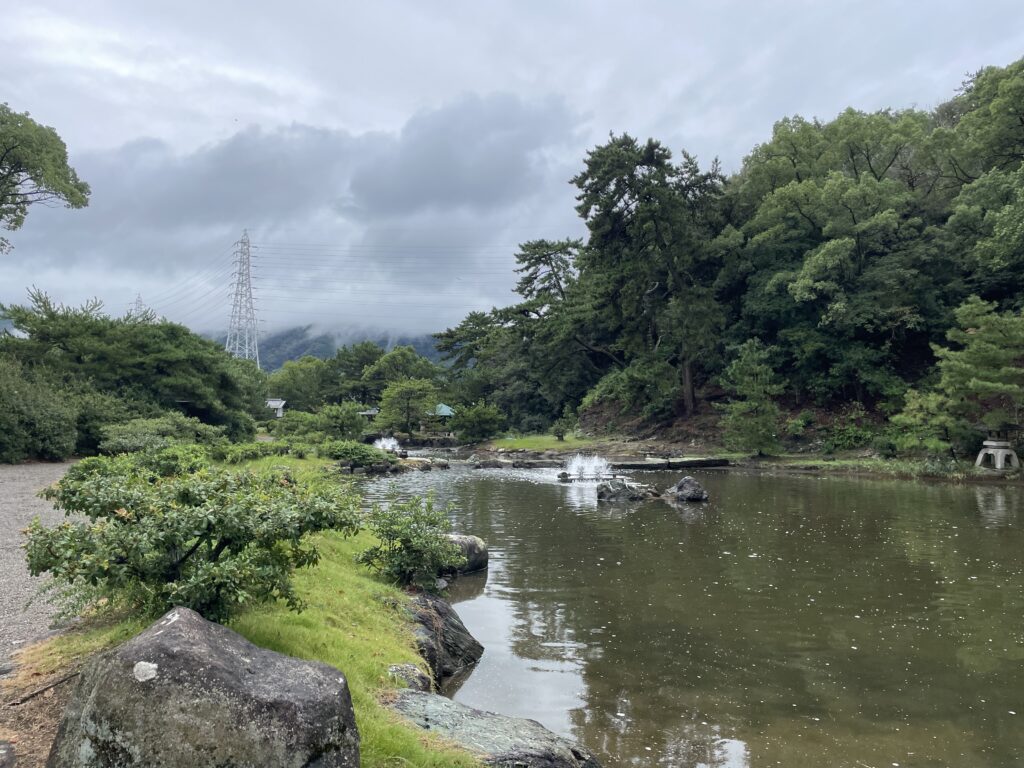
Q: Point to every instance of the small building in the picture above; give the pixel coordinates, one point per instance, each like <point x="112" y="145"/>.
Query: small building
<point x="370" y="414"/>
<point x="276" y="404"/>
<point x="442" y="412"/>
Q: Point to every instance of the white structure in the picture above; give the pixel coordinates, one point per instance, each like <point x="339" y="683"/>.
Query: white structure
<point x="1000" y="452"/>
<point x="276" y="404"/>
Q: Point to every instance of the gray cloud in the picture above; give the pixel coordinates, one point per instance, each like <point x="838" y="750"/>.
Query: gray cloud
<point x="387" y="157"/>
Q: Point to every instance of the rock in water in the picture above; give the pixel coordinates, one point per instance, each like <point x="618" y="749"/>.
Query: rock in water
<point x="443" y="640"/>
<point x="687" y="489"/>
<point x="187" y="693"/>
<point x="475" y="550"/>
<point x="498" y="740"/>
<point x="618" y="489"/>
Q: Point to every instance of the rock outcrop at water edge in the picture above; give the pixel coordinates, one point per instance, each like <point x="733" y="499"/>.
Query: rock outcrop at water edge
<point x="618" y="489"/>
<point x="187" y="692"/>
<point x="508" y="742"/>
<point x="687" y="489"/>
<point x="474" y="549"/>
<point x="443" y="640"/>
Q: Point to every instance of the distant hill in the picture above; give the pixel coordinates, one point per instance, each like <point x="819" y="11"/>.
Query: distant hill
<point x="293" y="343"/>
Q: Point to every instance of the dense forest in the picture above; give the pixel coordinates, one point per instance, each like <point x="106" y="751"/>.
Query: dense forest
<point x="849" y="250"/>
<point x="862" y="274"/>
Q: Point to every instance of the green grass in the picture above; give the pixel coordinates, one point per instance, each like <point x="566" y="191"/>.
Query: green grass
<point x="545" y="443"/>
<point x="360" y="626"/>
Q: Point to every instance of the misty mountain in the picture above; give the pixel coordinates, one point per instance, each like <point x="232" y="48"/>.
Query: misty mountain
<point x="293" y="343"/>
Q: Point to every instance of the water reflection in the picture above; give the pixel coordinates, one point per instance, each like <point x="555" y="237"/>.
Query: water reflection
<point x="790" y="621"/>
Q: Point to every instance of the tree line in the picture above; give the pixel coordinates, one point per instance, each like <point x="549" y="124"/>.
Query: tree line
<point x="848" y="249"/>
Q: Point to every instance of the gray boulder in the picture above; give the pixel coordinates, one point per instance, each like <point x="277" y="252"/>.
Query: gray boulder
<point x="474" y="549"/>
<point x="493" y="464"/>
<point x="687" y="489"/>
<point x="411" y="675"/>
<point x="508" y="742"/>
<point x="618" y="489"/>
<point x="7" y="758"/>
<point x="187" y="692"/>
<point x="443" y="640"/>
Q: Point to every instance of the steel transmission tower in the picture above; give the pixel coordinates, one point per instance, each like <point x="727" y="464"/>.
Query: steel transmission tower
<point x="242" y="332"/>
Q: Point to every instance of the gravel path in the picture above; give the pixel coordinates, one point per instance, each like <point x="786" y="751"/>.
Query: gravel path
<point x="19" y="503"/>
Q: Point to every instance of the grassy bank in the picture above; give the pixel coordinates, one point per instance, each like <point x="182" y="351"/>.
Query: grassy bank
<point x="351" y="621"/>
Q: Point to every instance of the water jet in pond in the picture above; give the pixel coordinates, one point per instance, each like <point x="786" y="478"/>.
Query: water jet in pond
<point x="388" y="444"/>
<point x="581" y="467"/>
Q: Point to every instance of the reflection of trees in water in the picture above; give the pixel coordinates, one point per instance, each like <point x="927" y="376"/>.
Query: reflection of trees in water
<point x="807" y="619"/>
<point x="998" y="507"/>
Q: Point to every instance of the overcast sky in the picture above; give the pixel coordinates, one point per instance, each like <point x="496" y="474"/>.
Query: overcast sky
<point x="387" y="157"/>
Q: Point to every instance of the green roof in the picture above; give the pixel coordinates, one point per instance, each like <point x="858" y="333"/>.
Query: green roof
<point x="443" y="410"/>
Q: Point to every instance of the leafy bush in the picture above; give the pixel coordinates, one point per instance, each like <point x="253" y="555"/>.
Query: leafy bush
<point x="796" y="426"/>
<point x="153" y="434"/>
<point x="354" y="454"/>
<point x="213" y="541"/>
<point x="37" y="419"/>
<point x="849" y="430"/>
<point x="568" y="422"/>
<point x="176" y="460"/>
<point x="341" y="422"/>
<point x="479" y="421"/>
<point x="242" y="452"/>
<point x="295" y="423"/>
<point x="413" y="547"/>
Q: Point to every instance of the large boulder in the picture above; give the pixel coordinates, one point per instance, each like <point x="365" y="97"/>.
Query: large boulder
<point x="187" y="692"/>
<point x="474" y="549"/>
<point x="618" y="489"/>
<point x="687" y="489"/>
<point x="443" y="640"/>
<point x="509" y="742"/>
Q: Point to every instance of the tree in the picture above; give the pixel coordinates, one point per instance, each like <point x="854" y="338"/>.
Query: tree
<point x="751" y="419"/>
<point x="33" y="170"/>
<point x="398" y="364"/>
<point x="479" y="421"/>
<point x="406" y="403"/>
<point x="300" y="382"/>
<point x="344" y="375"/>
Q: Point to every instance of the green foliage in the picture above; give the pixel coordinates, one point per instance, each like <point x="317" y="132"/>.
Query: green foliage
<point x="406" y="404"/>
<point x="155" y="433"/>
<point x="849" y="430"/>
<point x="751" y="421"/>
<point x="300" y="383"/>
<point x="565" y="424"/>
<point x="243" y="452"/>
<point x="353" y="454"/>
<point x="400" y="364"/>
<point x="476" y="422"/>
<point x="342" y="421"/>
<point x="210" y="540"/>
<point x="797" y="426"/>
<point x="37" y="419"/>
<point x="33" y="170"/>
<point x="412" y="548"/>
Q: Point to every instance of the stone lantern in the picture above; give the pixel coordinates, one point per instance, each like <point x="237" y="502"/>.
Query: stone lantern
<point x="997" y="450"/>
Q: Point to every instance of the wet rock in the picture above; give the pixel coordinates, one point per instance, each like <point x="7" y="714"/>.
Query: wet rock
<point x="7" y="758"/>
<point x="509" y="742"/>
<point x="492" y="464"/>
<point x="617" y="489"/>
<point x="413" y="677"/>
<point x="537" y="464"/>
<point x="687" y="489"/>
<point x="443" y="640"/>
<point x="440" y="463"/>
<point x="474" y="549"/>
<point x="187" y="692"/>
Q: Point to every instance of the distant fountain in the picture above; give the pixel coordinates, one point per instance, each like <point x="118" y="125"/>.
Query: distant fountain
<point x="388" y="444"/>
<point x="581" y="467"/>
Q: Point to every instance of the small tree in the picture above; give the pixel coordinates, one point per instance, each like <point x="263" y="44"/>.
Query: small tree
<point x="414" y="548"/>
<point x="342" y="421"/>
<point x="751" y="419"/>
<point x="210" y="540"/>
<point x="406" y="403"/>
<point x="479" y="421"/>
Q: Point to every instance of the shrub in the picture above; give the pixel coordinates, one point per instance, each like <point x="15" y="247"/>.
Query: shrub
<point x="175" y="460"/>
<point x="797" y="426"/>
<point x="341" y="422"/>
<point x="413" y="547"/>
<point x="479" y="421"/>
<point x="155" y="433"/>
<point x="37" y="419"/>
<point x="242" y="452"/>
<point x="213" y="541"/>
<point x="849" y="431"/>
<point x="354" y="454"/>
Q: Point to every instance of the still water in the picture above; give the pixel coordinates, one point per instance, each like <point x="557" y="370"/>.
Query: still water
<point x="793" y="621"/>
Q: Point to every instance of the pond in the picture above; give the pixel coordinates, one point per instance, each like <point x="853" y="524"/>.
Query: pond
<point x="792" y="620"/>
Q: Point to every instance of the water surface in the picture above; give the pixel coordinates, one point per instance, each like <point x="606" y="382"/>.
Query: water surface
<point x="794" y="621"/>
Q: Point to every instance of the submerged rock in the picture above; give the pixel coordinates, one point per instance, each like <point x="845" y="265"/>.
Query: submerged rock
<point x="187" y="692"/>
<point x="618" y="489"/>
<point x="443" y="640"/>
<point x="509" y="742"/>
<point x="474" y="549"/>
<point x="687" y="489"/>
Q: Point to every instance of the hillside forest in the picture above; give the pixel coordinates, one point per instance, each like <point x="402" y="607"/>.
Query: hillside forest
<point x="861" y="275"/>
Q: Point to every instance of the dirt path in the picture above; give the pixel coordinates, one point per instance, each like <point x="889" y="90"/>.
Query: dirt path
<point x="19" y="503"/>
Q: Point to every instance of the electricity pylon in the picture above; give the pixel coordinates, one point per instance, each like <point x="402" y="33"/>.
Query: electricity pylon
<point x="241" y="340"/>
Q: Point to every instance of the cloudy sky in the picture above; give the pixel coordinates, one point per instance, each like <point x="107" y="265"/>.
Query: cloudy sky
<point x="387" y="157"/>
